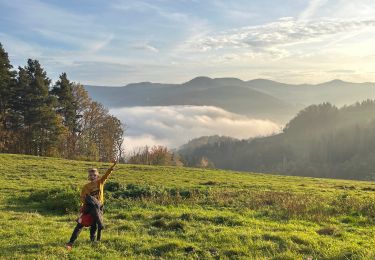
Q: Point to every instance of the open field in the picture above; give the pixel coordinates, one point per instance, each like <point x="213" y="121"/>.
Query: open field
<point x="167" y="212"/>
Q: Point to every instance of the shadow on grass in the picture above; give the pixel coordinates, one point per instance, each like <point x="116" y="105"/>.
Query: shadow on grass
<point x="56" y="201"/>
<point x="25" y="248"/>
<point x="29" y="247"/>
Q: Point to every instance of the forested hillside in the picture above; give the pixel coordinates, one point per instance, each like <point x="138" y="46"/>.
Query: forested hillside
<point x="60" y="119"/>
<point x="322" y="140"/>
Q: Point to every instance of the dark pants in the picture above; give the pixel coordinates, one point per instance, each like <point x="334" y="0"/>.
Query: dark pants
<point x="93" y="228"/>
<point x="77" y="230"/>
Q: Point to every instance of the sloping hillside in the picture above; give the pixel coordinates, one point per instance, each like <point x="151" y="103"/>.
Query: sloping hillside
<point x="321" y="141"/>
<point x="179" y="213"/>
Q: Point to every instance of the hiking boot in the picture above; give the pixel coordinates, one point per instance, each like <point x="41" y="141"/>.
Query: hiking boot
<point x="69" y="246"/>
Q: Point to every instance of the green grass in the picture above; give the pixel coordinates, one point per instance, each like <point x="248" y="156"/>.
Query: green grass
<point x="183" y="213"/>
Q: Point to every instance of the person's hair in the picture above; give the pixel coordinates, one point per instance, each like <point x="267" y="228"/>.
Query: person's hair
<point x="93" y="170"/>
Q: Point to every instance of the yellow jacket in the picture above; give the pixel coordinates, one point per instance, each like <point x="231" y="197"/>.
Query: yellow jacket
<point x="95" y="188"/>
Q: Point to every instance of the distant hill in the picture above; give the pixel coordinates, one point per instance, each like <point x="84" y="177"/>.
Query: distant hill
<point x="230" y="94"/>
<point x="321" y="141"/>
<point x="259" y="98"/>
<point x="336" y="92"/>
<point x="203" y="141"/>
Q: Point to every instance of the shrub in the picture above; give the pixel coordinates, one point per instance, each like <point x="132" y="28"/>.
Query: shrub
<point x="187" y="216"/>
<point x="174" y="192"/>
<point x="176" y="225"/>
<point x="57" y="199"/>
<point x="159" y="223"/>
<point x="137" y="191"/>
<point x="112" y="186"/>
<point x="163" y="215"/>
<point x="227" y="221"/>
<point x="189" y="249"/>
<point x="209" y="183"/>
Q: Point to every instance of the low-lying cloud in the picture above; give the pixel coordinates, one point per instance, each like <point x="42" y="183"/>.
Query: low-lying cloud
<point x="175" y="125"/>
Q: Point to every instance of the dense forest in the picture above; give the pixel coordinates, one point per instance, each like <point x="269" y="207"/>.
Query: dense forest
<point x="321" y="141"/>
<point x="41" y="118"/>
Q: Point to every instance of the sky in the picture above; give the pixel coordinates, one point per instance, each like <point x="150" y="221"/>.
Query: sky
<point x="115" y="42"/>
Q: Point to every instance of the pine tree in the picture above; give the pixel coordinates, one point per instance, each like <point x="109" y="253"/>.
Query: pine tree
<point x="7" y="77"/>
<point x="67" y="107"/>
<point x="41" y="126"/>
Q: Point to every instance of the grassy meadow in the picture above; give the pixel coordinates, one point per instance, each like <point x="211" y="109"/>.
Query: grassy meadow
<point x="183" y="213"/>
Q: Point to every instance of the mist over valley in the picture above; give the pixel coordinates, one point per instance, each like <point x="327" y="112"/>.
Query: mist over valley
<point x="172" y="114"/>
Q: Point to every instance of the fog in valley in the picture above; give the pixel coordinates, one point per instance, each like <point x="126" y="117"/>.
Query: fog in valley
<point x="175" y="125"/>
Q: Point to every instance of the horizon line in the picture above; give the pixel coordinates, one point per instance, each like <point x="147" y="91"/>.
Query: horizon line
<point x="216" y="78"/>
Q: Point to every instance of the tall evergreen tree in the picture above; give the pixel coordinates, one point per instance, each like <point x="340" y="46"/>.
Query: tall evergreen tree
<point x="7" y="77"/>
<point x="40" y="123"/>
<point x="67" y="107"/>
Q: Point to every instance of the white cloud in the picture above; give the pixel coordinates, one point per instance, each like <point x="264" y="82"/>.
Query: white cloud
<point x="18" y="49"/>
<point x="275" y="38"/>
<point x="311" y="9"/>
<point x="142" y="6"/>
<point x="161" y="41"/>
<point x="144" y="46"/>
<point x="131" y="143"/>
<point x="175" y="125"/>
<point x="101" y="43"/>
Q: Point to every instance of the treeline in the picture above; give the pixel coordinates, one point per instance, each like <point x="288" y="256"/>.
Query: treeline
<point x="321" y="141"/>
<point x="155" y="155"/>
<point x="59" y="120"/>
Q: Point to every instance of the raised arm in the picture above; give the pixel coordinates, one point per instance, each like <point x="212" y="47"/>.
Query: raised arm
<point x="108" y="172"/>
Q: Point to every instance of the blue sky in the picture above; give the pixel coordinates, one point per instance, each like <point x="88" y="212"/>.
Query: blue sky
<point x="118" y="42"/>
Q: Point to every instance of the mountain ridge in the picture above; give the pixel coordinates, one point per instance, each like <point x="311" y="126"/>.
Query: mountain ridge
<point x="264" y="80"/>
<point x="257" y="98"/>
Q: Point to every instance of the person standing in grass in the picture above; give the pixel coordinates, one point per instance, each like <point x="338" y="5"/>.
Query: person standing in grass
<point x="92" y="201"/>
